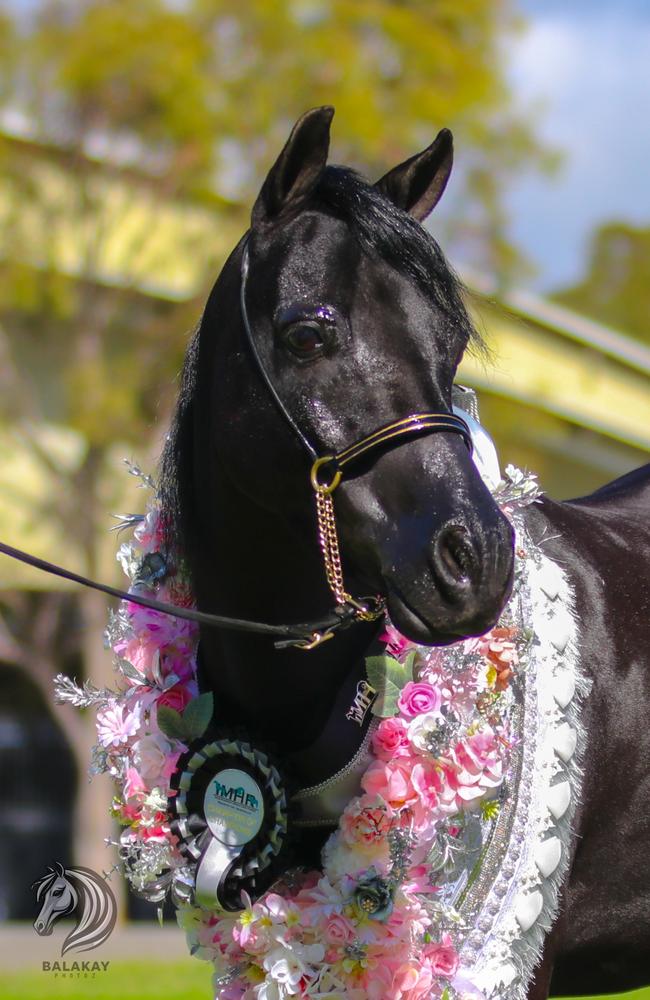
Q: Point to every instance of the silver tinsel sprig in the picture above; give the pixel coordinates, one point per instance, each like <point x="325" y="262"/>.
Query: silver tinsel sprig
<point x="146" y="482"/>
<point x="117" y="629"/>
<point x="126" y="522"/>
<point x="144" y="863"/>
<point x="517" y="489"/>
<point x="66" y="690"/>
<point x="99" y="762"/>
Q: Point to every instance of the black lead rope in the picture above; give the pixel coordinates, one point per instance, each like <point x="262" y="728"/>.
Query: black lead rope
<point x="287" y="635"/>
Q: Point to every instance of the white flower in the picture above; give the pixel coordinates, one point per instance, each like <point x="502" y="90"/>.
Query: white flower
<point x="149" y="756"/>
<point x="156" y="800"/>
<point x="421" y="726"/>
<point x="287" y="964"/>
<point x="341" y="860"/>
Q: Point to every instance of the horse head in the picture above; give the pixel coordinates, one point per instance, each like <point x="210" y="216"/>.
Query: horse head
<point x="59" y="898"/>
<point x="356" y="321"/>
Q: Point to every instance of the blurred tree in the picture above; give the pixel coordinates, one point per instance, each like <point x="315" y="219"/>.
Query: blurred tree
<point x="616" y="285"/>
<point x="112" y="110"/>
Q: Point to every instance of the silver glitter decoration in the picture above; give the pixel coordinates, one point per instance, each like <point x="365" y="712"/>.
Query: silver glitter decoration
<point x="66" y="690"/>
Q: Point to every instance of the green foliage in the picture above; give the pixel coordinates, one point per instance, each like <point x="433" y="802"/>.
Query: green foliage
<point x="189" y="725"/>
<point x="388" y="676"/>
<point x="616" y="287"/>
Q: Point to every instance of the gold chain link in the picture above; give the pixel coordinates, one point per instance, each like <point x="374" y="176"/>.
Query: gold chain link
<point x="329" y="542"/>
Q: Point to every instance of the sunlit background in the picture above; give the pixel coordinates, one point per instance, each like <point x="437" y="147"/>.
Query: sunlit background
<point x="134" y="135"/>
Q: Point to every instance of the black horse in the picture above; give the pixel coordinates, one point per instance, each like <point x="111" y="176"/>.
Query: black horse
<point x="356" y="320"/>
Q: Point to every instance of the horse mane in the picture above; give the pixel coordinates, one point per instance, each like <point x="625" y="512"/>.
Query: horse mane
<point x="383" y="231"/>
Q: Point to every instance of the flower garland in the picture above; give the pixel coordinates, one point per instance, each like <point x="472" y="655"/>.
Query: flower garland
<point x="403" y="905"/>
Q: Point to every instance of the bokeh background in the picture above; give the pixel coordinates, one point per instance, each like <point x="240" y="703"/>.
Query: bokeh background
<point x="133" y="139"/>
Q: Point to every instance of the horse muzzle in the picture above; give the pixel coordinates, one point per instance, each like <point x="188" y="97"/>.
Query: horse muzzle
<point x="462" y="585"/>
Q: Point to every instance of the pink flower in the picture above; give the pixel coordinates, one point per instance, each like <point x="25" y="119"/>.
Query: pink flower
<point x="117" y="724"/>
<point x="396" y="643"/>
<point x="412" y="981"/>
<point x="149" y="531"/>
<point x="392" y="781"/>
<point x="134" y="786"/>
<point x="366" y="820"/>
<point x="418" y="697"/>
<point x="338" y="930"/>
<point x="443" y="957"/>
<point x="477" y="766"/>
<point x="176" y="697"/>
<point x="391" y="739"/>
<point x="141" y="652"/>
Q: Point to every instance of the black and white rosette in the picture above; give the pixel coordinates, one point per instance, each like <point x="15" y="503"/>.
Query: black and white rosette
<point x="229" y="812"/>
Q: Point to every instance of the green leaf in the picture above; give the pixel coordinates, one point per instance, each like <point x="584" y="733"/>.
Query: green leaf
<point x="377" y="670"/>
<point x="409" y="665"/>
<point x="382" y="670"/>
<point x="385" y="705"/>
<point x="197" y="715"/>
<point x="170" y="723"/>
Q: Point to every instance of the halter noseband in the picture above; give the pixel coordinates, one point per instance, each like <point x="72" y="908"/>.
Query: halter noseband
<point x="337" y="464"/>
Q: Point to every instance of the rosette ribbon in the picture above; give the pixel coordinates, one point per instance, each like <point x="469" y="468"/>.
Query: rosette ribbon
<point x="229" y="812"/>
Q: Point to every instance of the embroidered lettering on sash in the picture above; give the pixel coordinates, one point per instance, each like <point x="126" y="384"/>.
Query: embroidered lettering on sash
<point x="363" y="699"/>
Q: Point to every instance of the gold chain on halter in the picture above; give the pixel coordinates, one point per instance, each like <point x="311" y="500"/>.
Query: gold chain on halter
<point x="329" y="542"/>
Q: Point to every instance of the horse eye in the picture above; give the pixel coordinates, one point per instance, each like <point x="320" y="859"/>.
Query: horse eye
<point x="305" y="340"/>
<point x="57" y="892"/>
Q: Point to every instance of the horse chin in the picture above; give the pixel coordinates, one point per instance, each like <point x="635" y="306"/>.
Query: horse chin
<point x="430" y="629"/>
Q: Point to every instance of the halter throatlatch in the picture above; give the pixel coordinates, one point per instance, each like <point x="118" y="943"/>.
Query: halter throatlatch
<point x="327" y="473"/>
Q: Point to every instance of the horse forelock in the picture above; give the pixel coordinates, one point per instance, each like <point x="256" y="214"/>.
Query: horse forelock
<point x="401" y="241"/>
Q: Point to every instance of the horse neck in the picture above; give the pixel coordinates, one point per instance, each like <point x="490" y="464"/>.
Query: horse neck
<point x="254" y="566"/>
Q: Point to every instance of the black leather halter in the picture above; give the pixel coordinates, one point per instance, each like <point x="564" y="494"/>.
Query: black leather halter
<point x="337" y="465"/>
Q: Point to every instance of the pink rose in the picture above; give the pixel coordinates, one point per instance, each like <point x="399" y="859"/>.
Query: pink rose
<point x="418" y="697"/>
<point x="442" y="957"/>
<point x="338" y="930"/>
<point x="391" y="739"/>
<point x="176" y="697"/>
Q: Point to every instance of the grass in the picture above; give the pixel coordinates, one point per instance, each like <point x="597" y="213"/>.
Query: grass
<point x="136" y="981"/>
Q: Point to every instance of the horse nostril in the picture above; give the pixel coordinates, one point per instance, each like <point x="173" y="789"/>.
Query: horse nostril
<point x="454" y="555"/>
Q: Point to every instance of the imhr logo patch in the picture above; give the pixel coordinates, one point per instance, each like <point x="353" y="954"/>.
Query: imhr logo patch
<point x="83" y="893"/>
<point x="238" y="796"/>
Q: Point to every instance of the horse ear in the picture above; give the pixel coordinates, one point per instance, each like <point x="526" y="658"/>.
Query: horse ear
<point x="416" y="185"/>
<point x="298" y="167"/>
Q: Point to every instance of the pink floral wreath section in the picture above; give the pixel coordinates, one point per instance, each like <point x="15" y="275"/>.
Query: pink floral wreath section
<point x="364" y="927"/>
